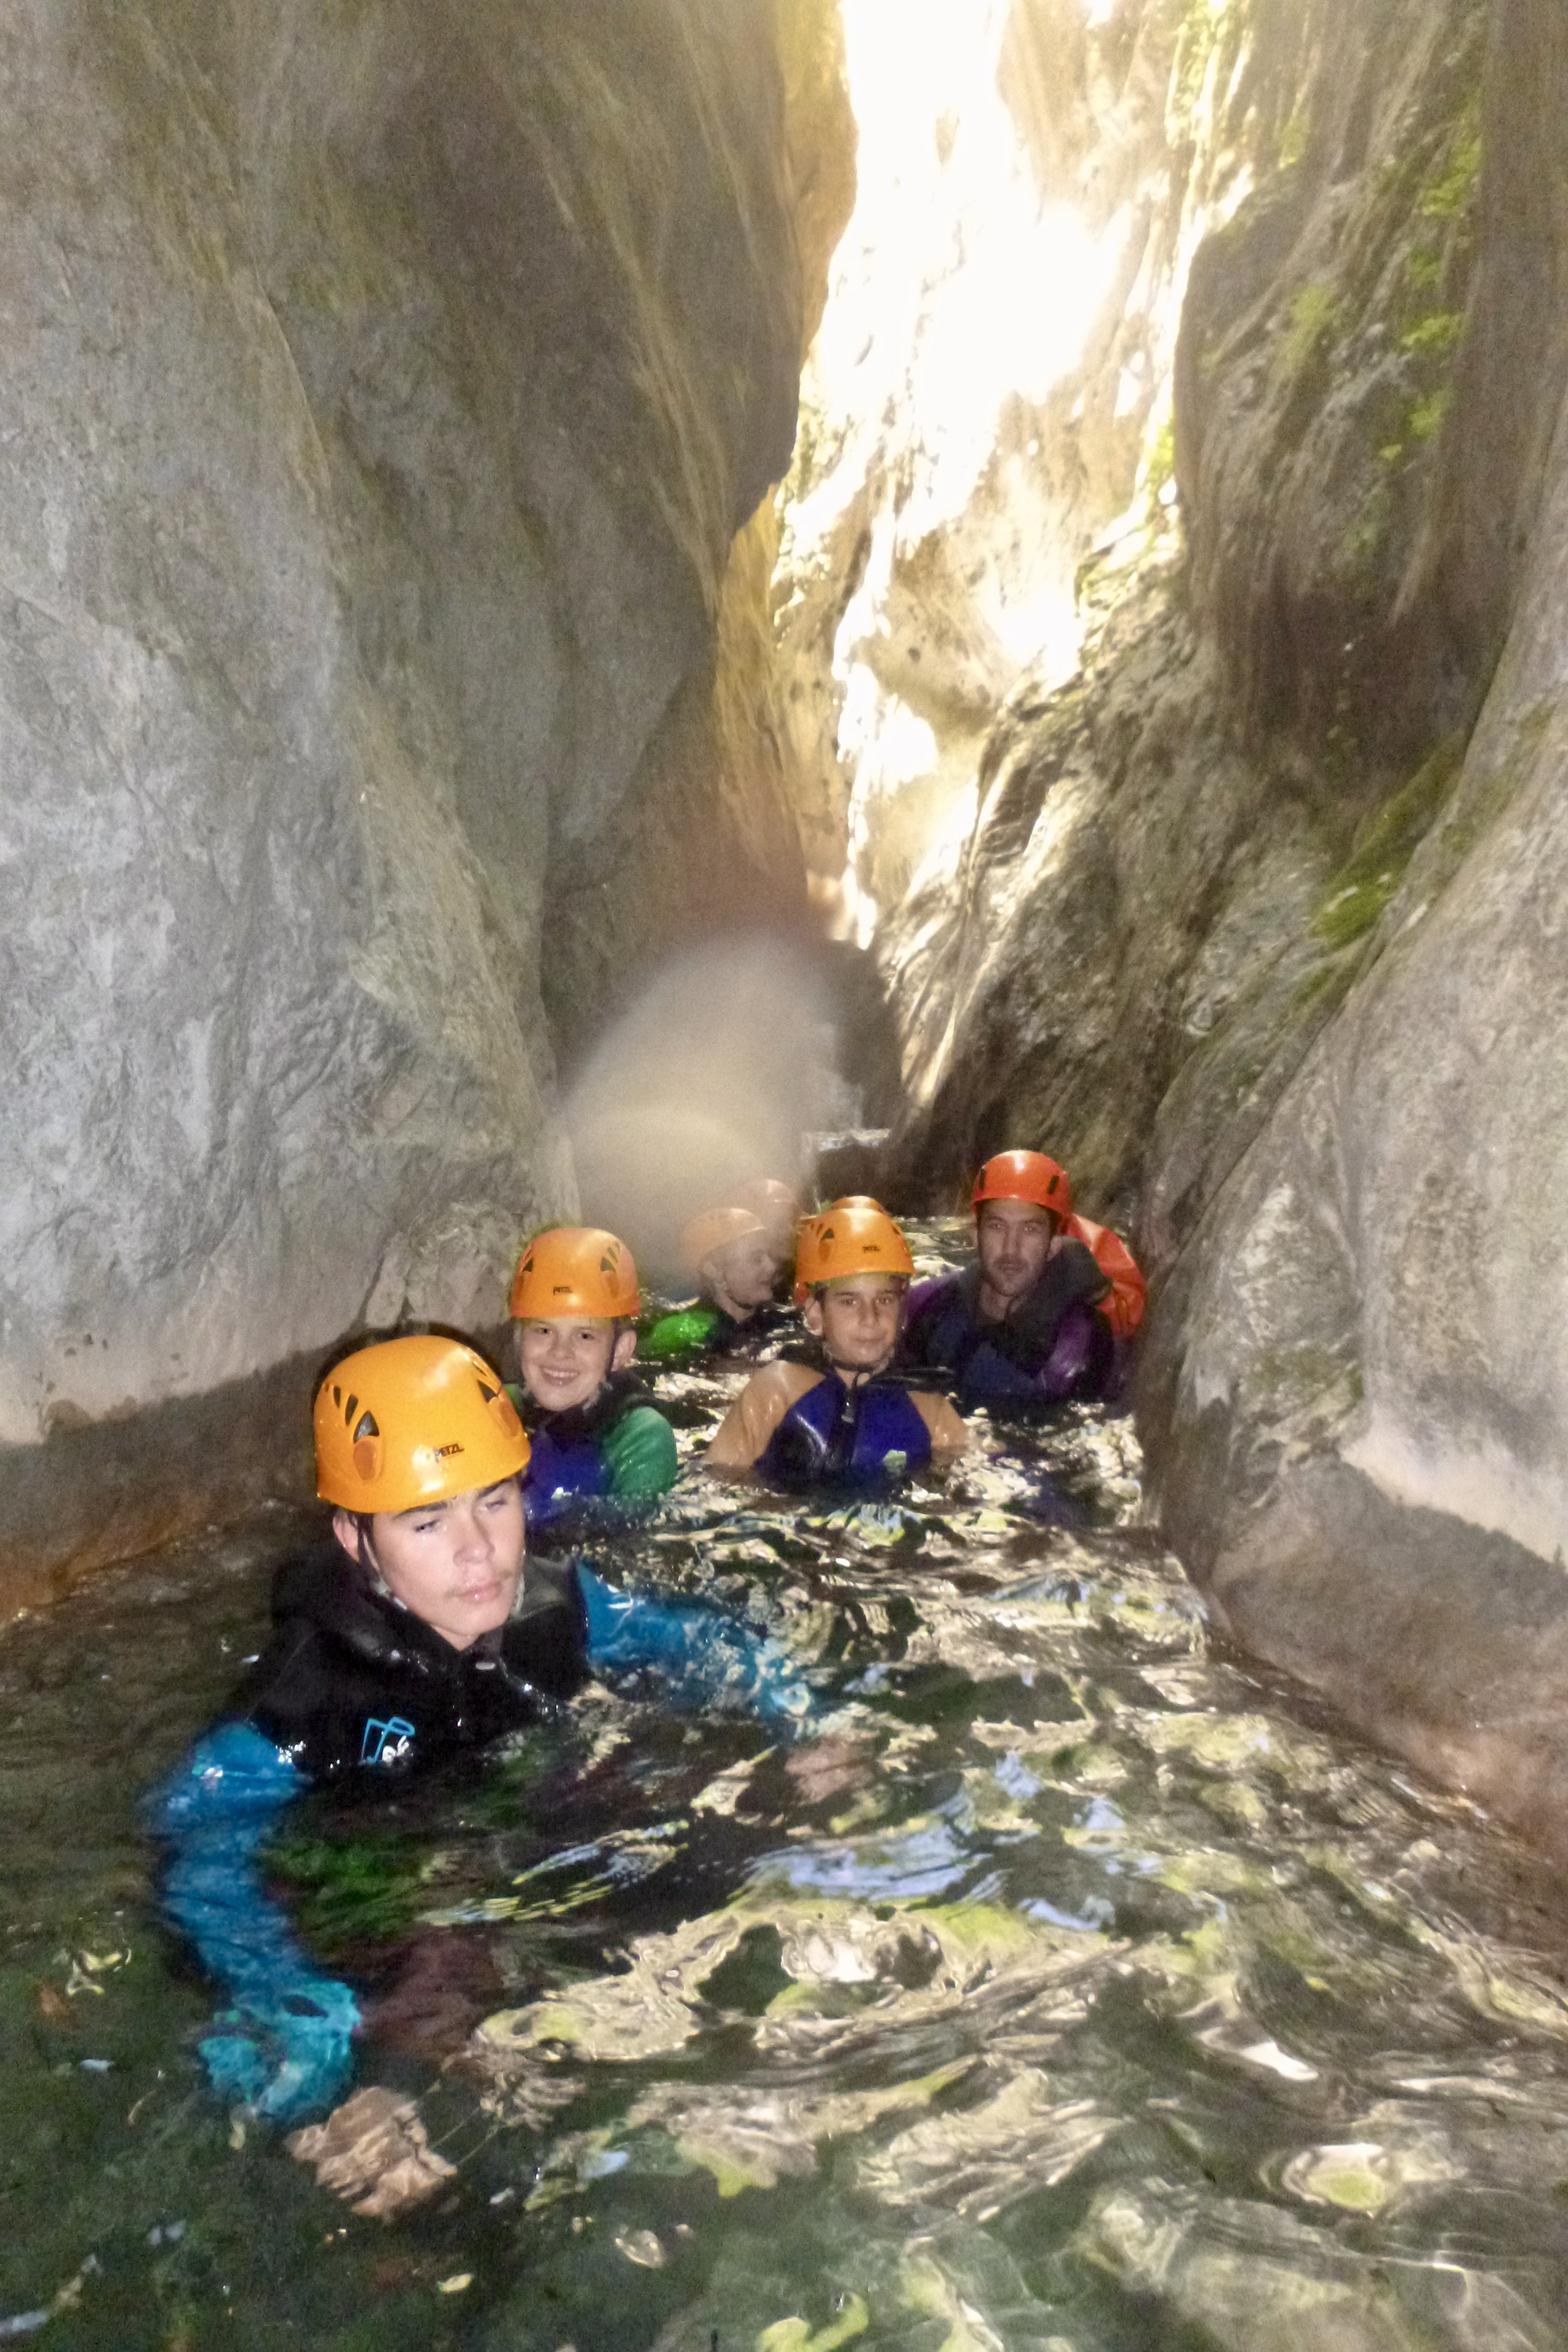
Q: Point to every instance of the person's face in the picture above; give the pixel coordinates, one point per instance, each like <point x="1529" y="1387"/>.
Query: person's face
<point x="743" y="1272"/>
<point x="566" y="1358"/>
<point x="857" y="1320"/>
<point x="1015" y="1241"/>
<point x="455" y="1564"/>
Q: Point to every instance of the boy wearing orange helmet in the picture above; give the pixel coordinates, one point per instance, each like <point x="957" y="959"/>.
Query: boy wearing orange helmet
<point x="598" y="1438"/>
<point x="1038" y="1319"/>
<point x="736" y="1264"/>
<point x="841" y="1416"/>
<point x="410" y="1637"/>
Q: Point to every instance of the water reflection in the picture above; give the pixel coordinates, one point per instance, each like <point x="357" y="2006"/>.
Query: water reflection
<point x="1072" y="1988"/>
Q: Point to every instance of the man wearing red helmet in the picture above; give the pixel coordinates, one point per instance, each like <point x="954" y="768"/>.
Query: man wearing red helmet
<point x="1037" y="1319"/>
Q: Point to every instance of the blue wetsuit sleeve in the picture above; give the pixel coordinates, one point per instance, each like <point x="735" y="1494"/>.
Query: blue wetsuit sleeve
<point x="705" y="1657"/>
<point x="283" y="2047"/>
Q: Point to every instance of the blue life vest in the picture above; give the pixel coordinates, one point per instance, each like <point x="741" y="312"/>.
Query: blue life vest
<point x="567" y="1464"/>
<point x="560" y="1473"/>
<point x="835" y="1434"/>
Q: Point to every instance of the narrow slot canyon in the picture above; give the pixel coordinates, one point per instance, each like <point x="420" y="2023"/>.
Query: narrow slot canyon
<point x="606" y="599"/>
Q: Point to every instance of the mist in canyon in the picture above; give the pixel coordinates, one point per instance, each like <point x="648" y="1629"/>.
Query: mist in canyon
<point x="1062" y="502"/>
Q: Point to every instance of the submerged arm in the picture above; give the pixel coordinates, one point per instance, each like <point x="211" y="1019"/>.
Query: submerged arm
<point x="704" y="1655"/>
<point x="285" y="2048"/>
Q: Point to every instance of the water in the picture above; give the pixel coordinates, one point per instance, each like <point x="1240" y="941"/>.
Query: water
<point x="1076" y="1988"/>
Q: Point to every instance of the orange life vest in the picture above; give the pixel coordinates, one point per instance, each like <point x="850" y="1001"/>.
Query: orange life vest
<point x="1123" y="1310"/>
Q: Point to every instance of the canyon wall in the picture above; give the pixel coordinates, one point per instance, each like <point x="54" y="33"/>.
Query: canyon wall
<point x="386" y="389"/>
<point x="1359" y="1381"/>
<point x="1254" y="917"/>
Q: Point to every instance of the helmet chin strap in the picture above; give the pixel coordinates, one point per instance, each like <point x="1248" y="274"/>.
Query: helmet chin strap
<point x="368" y="1561"/>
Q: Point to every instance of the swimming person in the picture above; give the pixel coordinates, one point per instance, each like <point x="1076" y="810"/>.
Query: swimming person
<point x="737" y="1267"/>
<point x="1043" y="1315"/>
<point x="837" y="1413"/>
<point x="408" y="1636"/>
<point x="778" y="1205"/>
<point x="598" y="1438"/>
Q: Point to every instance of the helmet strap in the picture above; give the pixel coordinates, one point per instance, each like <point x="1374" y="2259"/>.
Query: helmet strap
<point x="369" y="1563"/>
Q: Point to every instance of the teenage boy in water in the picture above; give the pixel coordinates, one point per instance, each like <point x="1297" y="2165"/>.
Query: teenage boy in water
<point x="1045" y="1313"/>
<point x="843" y="1416"/>
<point x="407" y="1636"/>
<point x="736" y="1264"/>
<point x="598" y="1437"/>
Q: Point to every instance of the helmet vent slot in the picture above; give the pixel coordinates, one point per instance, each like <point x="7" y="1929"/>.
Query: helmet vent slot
<point x="365" y="1426"/>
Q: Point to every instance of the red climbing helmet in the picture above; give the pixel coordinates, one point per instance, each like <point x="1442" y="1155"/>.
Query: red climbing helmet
<point x="1025" y="1176"/>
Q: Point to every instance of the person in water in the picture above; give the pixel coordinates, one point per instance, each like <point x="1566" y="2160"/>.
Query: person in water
<point x="734" y="1313"/>
<point x="598" y="1439"/>
<point x="412" y="1634"/>
<point x="778" y="1205"/>
<point x="840" y="1415"/>
<point x="1042" y="1314"/>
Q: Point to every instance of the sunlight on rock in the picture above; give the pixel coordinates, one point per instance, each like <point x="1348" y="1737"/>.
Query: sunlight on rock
<point x="989" y="386"/>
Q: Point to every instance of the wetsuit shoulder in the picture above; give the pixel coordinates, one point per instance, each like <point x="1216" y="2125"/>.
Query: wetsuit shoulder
<point x="546" y="1639"/>
<point x="1087" y="1278"/>
<point x="639" y="1447"/>
<point x="949" y="1430"/>
<point x="304" y="1696"/>
<point x="743" y="1435"/>
<point x="684" y="1331"/>
<point x="937" y="1316"/>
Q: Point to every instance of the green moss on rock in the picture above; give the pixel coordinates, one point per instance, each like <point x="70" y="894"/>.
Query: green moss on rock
<point x="1363" y="886"/>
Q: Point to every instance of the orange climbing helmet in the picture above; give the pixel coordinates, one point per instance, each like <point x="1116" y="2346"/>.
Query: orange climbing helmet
<point x="715" y="1229"/>
<point x="413" y="1420"/>
<point x="772" y="1200"/>
<point x="857" y="1201"/>
<point x="575" y="1270"/>
<point x="844" y="1242"/>
<point x="1025" y="1176"/>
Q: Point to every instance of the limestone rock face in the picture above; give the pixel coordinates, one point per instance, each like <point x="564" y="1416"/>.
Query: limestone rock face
<point x="386" y="389"/>
<point x="990" y="381"/>
<point x="1370" y="1313"/>
<point x="1259" y="926"/>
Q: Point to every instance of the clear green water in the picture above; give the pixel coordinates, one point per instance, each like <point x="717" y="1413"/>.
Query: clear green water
<point x="1078" y="1990"/>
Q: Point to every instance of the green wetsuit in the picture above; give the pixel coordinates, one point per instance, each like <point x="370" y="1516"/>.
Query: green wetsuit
<point x="703" y="1329"/>
<point x="616" y="1449"/>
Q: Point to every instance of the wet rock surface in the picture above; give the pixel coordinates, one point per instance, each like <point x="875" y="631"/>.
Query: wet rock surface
<point x="1257" y="924"/>
<point x="384" y="396"/>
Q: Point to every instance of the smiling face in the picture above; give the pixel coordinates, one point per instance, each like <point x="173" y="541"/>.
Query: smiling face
<point x="1014" y="1239"/>
<point x="566" y="1359"/>
<point x="455" y="1564"/>
<point x="857" y="1320"/>
<point x="741" y="1277"/>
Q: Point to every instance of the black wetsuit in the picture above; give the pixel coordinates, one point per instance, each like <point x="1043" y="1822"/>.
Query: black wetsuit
<point x="350" y="1678"/>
